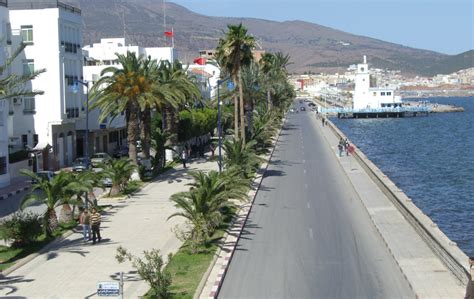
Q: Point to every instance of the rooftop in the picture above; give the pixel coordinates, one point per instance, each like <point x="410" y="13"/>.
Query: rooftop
<point x="29" y="4"/>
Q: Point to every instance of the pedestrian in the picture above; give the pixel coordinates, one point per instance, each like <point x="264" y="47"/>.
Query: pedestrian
<point x="346" y="146"/>
<point x="84" y="219"/>
<point x="183" y="158"/>
<point x="211" y="147"/>
<point x="340" y="146"/>
<point x="94" y="221"/>
<point x="322" y="120"/>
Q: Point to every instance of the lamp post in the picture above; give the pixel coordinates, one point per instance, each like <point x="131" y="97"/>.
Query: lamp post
<point x="219" y="125"/>
<point x="86" y="151"/>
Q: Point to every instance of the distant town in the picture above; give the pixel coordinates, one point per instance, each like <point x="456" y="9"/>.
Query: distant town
<point x="340" y="87"/>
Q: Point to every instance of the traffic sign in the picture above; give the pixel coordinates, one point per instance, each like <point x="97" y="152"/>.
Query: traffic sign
<point x="108" y="289"/>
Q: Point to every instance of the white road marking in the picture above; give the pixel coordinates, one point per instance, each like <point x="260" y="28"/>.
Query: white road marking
<point x="304" y="171"/>
<point x="306" y="186"/>
<point x="308" y="205"/>
<point x="311" y="233"/>
<point x="304" y="161"/>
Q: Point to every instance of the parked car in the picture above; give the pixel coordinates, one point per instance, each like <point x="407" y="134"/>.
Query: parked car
<point x="47" y="175"/>
<point x="121" y="151"/>
<point x="81" y="164"/>
<point x="99" y="158"/>
<point x="303" y="109"/>
<point x="107" y="182"/>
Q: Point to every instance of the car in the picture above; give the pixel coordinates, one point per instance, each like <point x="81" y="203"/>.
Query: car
<point x="81" y="164"/>
<point x="303" y="109"/>
<point x="99" y="158"/>
<point x="292" y="110"/>
<point x="121" y="151"/>
<point x="107" y="182"/>
<point x="46" y="175"/>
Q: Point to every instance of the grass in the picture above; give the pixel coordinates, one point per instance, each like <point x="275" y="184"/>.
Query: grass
<point x="187" y="268"/>
<point x="9" y="255"/>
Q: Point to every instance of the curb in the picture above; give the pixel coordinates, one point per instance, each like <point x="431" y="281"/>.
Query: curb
<point x="5" y="196"/>
<point x="245" y="209"/>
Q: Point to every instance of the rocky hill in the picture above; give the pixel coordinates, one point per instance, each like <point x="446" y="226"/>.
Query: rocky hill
<point x="312" y="47"/>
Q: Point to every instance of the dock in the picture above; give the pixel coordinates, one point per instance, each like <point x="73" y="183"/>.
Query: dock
<point x="378" y="112"/>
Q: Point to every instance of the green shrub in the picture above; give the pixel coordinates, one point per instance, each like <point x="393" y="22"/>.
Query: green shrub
<point x="21" y="228"/>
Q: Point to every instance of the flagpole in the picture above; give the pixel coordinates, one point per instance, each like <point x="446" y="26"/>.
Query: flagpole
<point x="172" y="38"/>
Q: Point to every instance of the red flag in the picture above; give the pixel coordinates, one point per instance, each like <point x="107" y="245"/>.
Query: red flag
<point x="169" y="33"/>
<point x="200" y="60"/>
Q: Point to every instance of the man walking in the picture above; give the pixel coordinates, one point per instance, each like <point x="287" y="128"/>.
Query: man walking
<point x="84" y="221"/>
<point x="95" y="225"/>
<point x="183" y="158"/>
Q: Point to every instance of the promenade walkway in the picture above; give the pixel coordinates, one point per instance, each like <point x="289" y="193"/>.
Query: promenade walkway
<point x="71" y="269"/>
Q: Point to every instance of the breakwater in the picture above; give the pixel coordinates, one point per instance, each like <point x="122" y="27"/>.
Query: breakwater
<point x="430" y="159"/>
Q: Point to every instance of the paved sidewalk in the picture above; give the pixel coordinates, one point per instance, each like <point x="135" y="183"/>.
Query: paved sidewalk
<point x="72" y="269"/>
<point x="425" y="272"/>
<point x="17" y="185"/>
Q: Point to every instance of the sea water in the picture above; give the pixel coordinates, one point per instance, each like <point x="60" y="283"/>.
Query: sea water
<point x="430" y="158"/>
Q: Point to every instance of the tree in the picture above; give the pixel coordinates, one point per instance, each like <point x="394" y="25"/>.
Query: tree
<point x="241" y="156"/>
<point x="14" y="85"/>
<point x="119" y="171"/>
<point x="202" y="205"/>
<point x="53" y="193"/>
<point x="174" y="90"/>
<point x="273" y="66"/>
<point x="233" y="52"/>
<point x="122" y="89"/>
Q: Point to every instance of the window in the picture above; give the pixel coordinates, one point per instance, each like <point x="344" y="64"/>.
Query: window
<point x="389" y="93"/>
<point x="28" y="66"/>
<point x="29" y="106"/>
<point x="35" y="139"/>
<point x="382" y="93"/>
<point x="9" y="33"/>
<point x="27" y="34"/>
<point x="361" y="69"/>
<point x="375" y="93"/>
<point x="3" y="165"/>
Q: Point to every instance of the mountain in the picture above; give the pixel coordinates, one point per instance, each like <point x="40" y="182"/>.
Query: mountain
<point x="312" y="47"/>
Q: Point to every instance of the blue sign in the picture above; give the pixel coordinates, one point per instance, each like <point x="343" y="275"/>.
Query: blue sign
<point x="230" y="85"/>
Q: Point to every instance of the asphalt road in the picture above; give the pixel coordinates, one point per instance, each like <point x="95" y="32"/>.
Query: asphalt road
<point x="308" y="235"/>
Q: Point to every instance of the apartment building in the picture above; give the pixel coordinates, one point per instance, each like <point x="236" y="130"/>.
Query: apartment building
<point x="4" y="104"/>
<point x="46" y="123"/>
<point x="106" y="136"/>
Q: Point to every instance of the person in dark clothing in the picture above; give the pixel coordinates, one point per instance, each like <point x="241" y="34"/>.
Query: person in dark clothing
<point x="95" y="220"/>
<point x="183" y="158"/>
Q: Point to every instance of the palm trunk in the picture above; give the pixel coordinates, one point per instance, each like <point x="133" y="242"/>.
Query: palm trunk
<point x="242" y="111"/>
<point x="236" y="117"/>
<point x="269" y="100"/>
<point x="170" y="124"/>
<point x="66" y="213"/>
<point x="132" y="126"/>
<point x="52" y="222"/>
<point x="145" y="132"/>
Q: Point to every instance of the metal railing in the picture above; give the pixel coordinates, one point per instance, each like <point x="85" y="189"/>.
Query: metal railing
<point x="377" y="110"/>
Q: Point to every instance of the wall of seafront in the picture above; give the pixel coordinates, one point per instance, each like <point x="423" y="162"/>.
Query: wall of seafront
<point x="448" y="251"/>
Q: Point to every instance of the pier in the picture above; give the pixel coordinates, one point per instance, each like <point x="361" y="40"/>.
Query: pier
<point x="378" y="112"/>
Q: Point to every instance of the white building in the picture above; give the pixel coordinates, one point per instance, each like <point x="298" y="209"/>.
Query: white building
<point x="106" y="136"/>
<point x="4" y="104"/>
<point x="366" y="97"/>
<point x="207" y="75"/>
<point x="53" y="32"/>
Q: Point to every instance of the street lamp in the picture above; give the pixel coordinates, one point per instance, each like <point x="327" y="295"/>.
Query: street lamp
<point x="86" y="151"/>
<point x="230" y="86"/>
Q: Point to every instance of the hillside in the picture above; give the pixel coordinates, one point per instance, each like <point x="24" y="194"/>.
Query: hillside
<point x="312" y="47"/>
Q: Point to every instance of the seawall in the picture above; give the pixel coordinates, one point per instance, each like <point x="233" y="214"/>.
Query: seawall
<point x="446" y="250"/>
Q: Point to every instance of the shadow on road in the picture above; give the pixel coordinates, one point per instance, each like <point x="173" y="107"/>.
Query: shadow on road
<point x="7" y="284"/>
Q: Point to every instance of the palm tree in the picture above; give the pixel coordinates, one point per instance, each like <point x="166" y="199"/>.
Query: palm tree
<point x="122" y="89"/>
<point x="274" y="72"/>
<point x="174" y="90"/>
<point x="251" y="88"/>
<point x="263" y="129"/>
<point x="233" y="52"/>
<point x="52" y="193"/>
<point x="13" y="85"/>
<point x="203" y="204"/>
<point x="119" y="171"/>
<point x="241" y="156"/>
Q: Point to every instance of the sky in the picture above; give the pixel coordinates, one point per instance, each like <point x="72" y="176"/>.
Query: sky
<point x="445" y="26"/>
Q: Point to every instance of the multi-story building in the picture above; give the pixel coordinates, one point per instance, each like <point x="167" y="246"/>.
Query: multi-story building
<point x="106" y="136"/>
<point x="46" y="123"/>
<point x="4" y="104"/>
